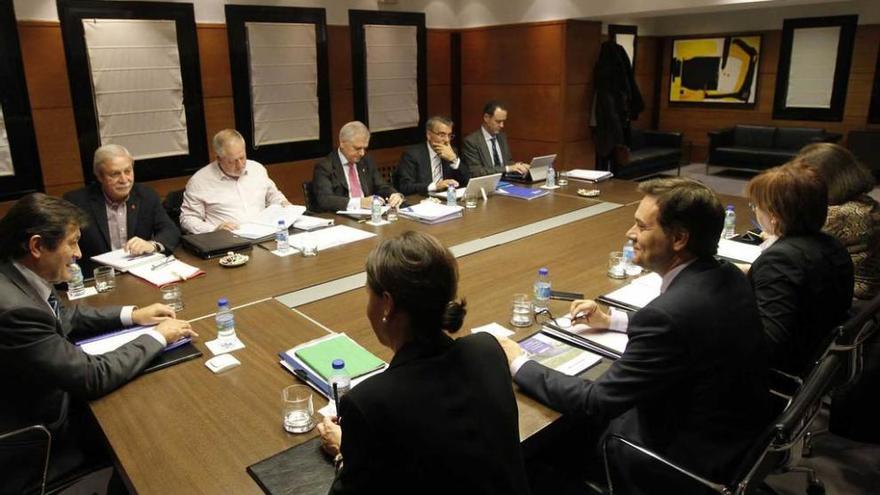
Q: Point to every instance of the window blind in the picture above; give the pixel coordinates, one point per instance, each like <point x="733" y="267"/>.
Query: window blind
<point x="811" y="73"/>
<point x="5" y="156"/>
<point x="392" y="77"/>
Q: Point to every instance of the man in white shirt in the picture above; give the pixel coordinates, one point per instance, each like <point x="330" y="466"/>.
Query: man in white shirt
<point x="227" y="191"/>
<point x="433" y="165"/>
<point x="347" y="179"/>
<point x="485" y="151"/>
<point x="45" y="377"/>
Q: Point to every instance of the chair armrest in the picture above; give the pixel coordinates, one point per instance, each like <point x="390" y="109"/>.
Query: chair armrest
<point x="717" y="487"/>
<point x="663" y="139"/>
<point x="720" y="137"/>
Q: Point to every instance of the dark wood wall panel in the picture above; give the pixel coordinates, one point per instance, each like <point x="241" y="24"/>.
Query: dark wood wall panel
<point x="695" y="122"/>
<point x="516" y="54"/>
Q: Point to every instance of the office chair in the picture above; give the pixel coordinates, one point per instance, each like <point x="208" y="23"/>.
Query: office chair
<point x="309" y="197"/>
<point x="776" y="450"/>
<point x="172" y="203"/>
<point x="27" y="435"/>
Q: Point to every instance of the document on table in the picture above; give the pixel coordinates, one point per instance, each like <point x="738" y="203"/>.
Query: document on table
<point x="330" y="237"/>
<point x="265" y="223"/>
<point x="610" y="339"/>
<point x="361" y="212"/>
<point x="636" y="294"/>
<point x="431" y="213"/>
<point x="307" y="222"/>
<point x="120" y="260"/>
<point x="561" y="356"/>
<point x="110" y="342"/>
<point x="589" y="175"/>
<point x="739" y="252"/>
<point x="168" y="273"/>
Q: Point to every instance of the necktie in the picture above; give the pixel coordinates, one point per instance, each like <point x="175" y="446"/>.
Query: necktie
<point x="436" y="169"/>
<point x="495" y="156"/>
<point x="56" y="306"/>
<point x="354" y="184"/>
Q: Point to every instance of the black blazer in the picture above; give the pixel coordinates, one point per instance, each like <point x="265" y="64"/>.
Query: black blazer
<point x="691" y="384"/>
<point x="42" y="371"/>
<point x="477" y="158"/>
<point x="441" y="419"/>
<point x="414" y="174"/>
<point x="331" y="188"/>
<point x="146" y="218"/>
<point x="804" y="288"/>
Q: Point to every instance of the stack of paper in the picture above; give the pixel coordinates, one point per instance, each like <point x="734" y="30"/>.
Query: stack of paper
<point x="636" y="294"/>
<point x="265" y="223"/>
<point x="557" y="354"/>
<point x="312" y="361"/>
<point x="739" y="252"/>
<point x="162" y="273"/>
<point x="307" y="223"/>
<point x="122" y="261"/>
<point x="589" y="175"/>
<point x="520" y="192"/>
<point x="329" y="237"/>
<point x="431" y="212"/>
<point x="361" y="212"/>
<point x="608" y="339"/>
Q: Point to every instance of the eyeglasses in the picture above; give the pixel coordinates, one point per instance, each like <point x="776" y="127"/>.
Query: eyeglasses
<point x="547" y="315"/>
<point x="449" y="135"/>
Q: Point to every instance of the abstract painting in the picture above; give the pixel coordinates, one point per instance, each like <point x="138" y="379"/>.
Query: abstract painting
<point x="718" y="71"/>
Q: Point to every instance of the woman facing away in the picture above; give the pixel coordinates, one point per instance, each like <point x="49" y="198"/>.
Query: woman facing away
<point x="803" y="279"/>
<point x="442" y="418"/>
<point x="853" y="216"/>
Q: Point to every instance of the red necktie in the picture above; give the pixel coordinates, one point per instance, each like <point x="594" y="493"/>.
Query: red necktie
<point x="354" y="184"/>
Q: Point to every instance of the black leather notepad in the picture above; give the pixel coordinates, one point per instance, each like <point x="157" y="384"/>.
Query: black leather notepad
<point x="171" y="357"/>
<point x="300" y="470"/>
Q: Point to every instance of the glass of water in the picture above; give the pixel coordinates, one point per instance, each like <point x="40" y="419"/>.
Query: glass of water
<point x="309" y="245"/>
<point x="392" y="214"/>
<point x="471" y="198"/>
<point x="561" y="178"/>
<point x="172" y="296"/>
<point x="298" y="411"/>
<point x="522" y="312"/>
<point x="105" y="278"/>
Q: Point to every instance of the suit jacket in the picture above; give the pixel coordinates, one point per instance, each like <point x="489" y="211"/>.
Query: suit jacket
<point x="804" y="288"/>
<point x="441" y="419"/>
<point x="331" y="188"/>
<point x="477" y="158"/>
<point x="414" y="172"/>
<point x="146" y="218"/>
<point x="691" y="384"/>
<point x="41" y="370"/>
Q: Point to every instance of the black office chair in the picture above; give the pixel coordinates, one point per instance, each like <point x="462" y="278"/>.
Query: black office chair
<point x="172" y="204"/>
<point x="776" y="450"/>
<point x="309" y="197"/>
<point x="23" y="442"/>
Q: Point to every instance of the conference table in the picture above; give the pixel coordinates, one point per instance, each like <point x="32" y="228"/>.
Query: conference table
<point x="185" y="429"/>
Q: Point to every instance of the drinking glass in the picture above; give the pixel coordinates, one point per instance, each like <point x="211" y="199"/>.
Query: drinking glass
<point x="471" y="198"/>
<point x="521" y="311"/>
<point x="562" y="179"/>
<point x="298" y="411"/>
<point x="392" y="214"/>
<point x="309" y="245"/>
<point x="105" y="278"/>
<point x="172" y="296"/>
<point x="616" y="265"/>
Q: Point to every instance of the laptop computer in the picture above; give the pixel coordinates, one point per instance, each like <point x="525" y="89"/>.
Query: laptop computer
<point x="486" y="183"/>
<point x="537" y="171"/>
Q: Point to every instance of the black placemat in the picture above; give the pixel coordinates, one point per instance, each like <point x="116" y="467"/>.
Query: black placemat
<point x="300" y="470"/>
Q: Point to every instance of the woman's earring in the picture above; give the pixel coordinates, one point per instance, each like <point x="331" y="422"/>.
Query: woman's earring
<point x="384" y="319"/>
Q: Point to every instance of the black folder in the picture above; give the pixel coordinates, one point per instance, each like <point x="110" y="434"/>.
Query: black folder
<point x="173" y="356"/>
<point x="214" y="244"/>
<point x="300" y="470"/>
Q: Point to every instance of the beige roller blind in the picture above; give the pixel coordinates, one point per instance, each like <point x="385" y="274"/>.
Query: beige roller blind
<point x="811" y="73"/>
<point x="5" y="156"/>
<point x="137" y="84"/>
<point x="392" y="77"/>
<point x="284" y="82"/>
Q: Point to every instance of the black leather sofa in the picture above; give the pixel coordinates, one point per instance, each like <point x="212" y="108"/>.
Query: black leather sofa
<point x="650" y="152"/>
<point x="756" y="147"/>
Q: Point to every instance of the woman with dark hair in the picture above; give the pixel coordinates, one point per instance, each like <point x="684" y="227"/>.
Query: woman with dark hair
<point x="803" y="279"/>
<point x="442" y="418"/>
<point x="853" y="216"/>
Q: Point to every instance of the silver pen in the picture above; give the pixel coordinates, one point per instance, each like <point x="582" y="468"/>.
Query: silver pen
<point x="164" y="262"/>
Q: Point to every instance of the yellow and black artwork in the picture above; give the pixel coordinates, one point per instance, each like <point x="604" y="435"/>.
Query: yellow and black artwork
<point x="721" y="70"/>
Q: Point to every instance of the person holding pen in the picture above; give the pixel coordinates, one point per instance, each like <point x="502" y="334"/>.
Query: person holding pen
<point x="442" y="418"/>
<point x="347" y="179"/>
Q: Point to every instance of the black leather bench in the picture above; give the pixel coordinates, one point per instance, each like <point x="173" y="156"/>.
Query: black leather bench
<point x="757" y="147"/>
<point x="650" y="152"/>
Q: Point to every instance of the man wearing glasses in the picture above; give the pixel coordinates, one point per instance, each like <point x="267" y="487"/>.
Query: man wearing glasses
<point x="433" y="165"/>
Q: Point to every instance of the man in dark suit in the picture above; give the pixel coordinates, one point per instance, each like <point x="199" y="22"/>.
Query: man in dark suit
<point x="433" y="165"/>
<point x="45" y="377"/>
<point x="123" y="215"/>
<point x="347" y="179"/>
<point x="691" y="383"/>
<point x="485" y="151"/>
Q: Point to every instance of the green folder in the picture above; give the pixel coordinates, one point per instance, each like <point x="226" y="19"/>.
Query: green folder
<point x="320" y="356"/>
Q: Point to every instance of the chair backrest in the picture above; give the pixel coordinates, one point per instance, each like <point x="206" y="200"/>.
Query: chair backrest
<point x="22" y="442"/>
<point x="387" y="170"/>
<point x="173" y="201"/>
<point x="309" y="196"/>
<point x="850" y="338"/>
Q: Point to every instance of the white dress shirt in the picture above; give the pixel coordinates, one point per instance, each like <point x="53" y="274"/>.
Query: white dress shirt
<point x="490" y="143"/>
<point x="213" y="198"/>
<point x="353" y="203"/>
<point x="437" y="164"/>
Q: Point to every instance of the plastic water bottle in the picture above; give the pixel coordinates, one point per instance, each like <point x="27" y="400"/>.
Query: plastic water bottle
<point x="376" y="210"/>
<point x="340" y="380"/>
<point x="551" y="176"/>
<point x="75" y="285"/>
<point x="729" y="223"/>
<point x="450" y="195"/>
<point x="225" y="323"/>
<point x="282" y="242"/>
<point x="542" y="289"/>
<point x="628" y="254"/>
